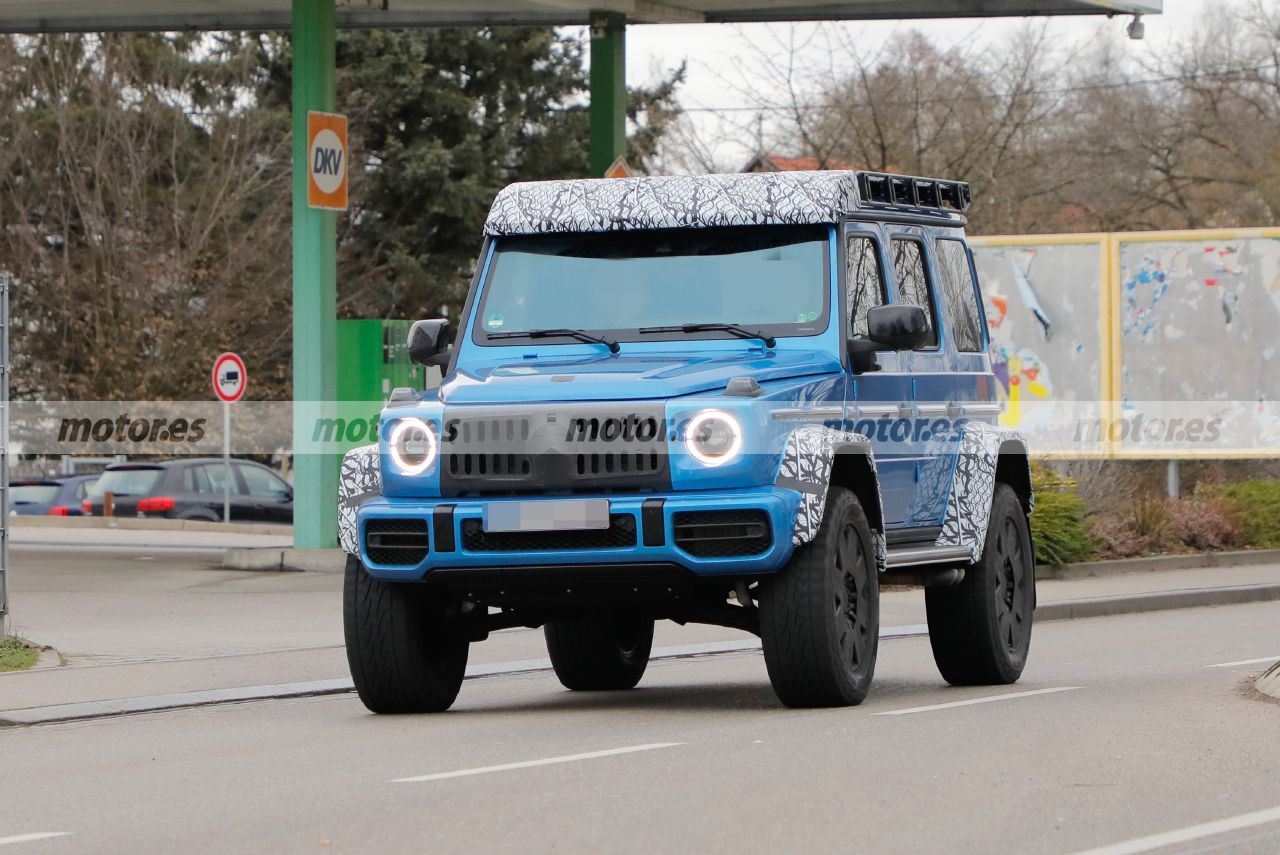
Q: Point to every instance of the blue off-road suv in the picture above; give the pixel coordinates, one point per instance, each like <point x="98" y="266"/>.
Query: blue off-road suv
<point x="743" y="400"/>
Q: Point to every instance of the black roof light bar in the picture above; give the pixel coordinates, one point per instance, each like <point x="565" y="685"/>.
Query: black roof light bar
<point x="908" y="193"/>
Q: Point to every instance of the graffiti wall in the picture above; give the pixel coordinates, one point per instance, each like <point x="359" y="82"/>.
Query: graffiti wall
<point x="1144" y="344"/>
<point x="1199" y="318"/>
<point x="1044" y="298"/>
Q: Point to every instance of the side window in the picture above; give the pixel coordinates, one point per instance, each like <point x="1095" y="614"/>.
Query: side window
<point x="260" y="482"/>
<point x="215" y="475"/>
<point x="913" y="281"/>
<point x="194" y="480"/>
<point x="960" y="295"/>
<point x="864" y="283"/>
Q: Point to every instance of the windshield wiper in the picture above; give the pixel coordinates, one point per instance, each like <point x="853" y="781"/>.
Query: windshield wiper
<point x="560" y="333"/>
<point x="740" y="332"/>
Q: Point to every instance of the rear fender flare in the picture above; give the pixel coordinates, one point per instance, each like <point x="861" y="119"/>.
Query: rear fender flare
<point x="982" y="446"/>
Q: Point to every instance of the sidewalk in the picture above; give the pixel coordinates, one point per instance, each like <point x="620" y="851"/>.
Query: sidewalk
<point x="279" y="659"/>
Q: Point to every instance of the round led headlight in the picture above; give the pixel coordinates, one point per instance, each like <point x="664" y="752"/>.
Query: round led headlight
<point x="714" y="437"/>
<point x="413" y="446"/>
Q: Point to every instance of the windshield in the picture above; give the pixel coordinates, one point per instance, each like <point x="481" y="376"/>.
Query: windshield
<point x="32" y="494"/>
<point x="767" y="278"/>
<point x="126" y="482"/>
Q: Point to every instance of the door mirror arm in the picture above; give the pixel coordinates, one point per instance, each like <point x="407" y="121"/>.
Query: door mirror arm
<point x="862" y="355"/>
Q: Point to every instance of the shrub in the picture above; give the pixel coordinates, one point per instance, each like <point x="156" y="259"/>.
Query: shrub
<point x="1254" y="508"/>
<point x="1115" y="538"/>
<point x="1057" y="524"/>
<point x="1201" y="523"/>
<point x="1149" y="518"/>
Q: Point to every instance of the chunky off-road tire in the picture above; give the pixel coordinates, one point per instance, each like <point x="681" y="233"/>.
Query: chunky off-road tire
<point x="405" y="655"/>
<point x="980" y="630"/>
<point x="820" y="617"/>
<point x="600" y="652"/>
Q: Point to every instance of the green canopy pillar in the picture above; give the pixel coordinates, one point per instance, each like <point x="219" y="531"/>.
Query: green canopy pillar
<point x="315" y="478"/>
<point x="608" y="90"/>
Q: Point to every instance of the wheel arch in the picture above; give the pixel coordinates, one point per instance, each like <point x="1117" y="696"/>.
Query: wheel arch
<point x="817" y="457"/>
<point x="988" y="455"/>
<point x="854" y="469"/>
<point x="1013" y="467"/>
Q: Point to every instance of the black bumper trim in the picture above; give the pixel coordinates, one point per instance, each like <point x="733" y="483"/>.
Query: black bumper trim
<point x="653" y="523"/>
<point x="443" y="528"/>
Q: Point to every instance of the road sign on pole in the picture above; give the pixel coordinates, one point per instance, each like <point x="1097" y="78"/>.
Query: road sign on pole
<point x="327" y="160"/>
<point x="229" y="382"/>
<point x="229" y="378"/>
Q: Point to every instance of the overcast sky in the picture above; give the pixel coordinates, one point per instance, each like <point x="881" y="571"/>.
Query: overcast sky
<point x="714" y="51"/>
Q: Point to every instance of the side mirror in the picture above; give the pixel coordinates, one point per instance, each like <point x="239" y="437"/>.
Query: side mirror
<point x="898" y="327"/>
<point x="862" y="355"/>
<point x="427" y="339"/>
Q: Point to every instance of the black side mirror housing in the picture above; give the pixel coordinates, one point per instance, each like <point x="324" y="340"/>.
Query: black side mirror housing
<point x="862" y="355"/>
<point x="898" y="327"/>
<point x="428" y="339"/>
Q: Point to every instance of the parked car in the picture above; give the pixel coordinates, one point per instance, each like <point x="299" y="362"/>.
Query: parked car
<point x="742" y="400"/>
<point x="57" y="496"/>
<point x="193" y="490"/>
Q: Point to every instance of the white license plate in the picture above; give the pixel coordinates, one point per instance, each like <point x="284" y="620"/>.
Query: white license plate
<point x="559" y="515"/>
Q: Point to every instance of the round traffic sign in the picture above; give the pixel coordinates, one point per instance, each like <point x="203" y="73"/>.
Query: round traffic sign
<point x="229" y="377"/>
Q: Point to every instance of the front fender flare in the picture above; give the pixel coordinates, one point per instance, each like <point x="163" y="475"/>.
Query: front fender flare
<point x="807" y="463"/>
<point x="359" y="481"/>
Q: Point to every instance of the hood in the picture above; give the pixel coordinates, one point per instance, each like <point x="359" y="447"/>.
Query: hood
<point x="624" y="377"/>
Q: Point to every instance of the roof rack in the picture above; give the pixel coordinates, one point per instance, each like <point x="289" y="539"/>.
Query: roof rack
<point x="909" y="193"/>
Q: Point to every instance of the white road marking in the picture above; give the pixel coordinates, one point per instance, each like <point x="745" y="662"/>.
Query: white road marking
<point x="527" y="764"/>
<point x="988" y="699"/>
<point x="1245" y="662"/>
<point x="28" y="838"/>
<point x="1185" y="835"/>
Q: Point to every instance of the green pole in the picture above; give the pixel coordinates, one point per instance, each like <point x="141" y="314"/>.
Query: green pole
<point x="315" y="515"/>
<point x="608" y="89"/>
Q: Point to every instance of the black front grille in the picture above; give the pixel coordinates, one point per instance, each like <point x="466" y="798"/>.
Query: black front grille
<point x="722" y="534"/>
<point x="620" y="534"/>
<point x="570" y="447"/>
<point x="403" y="542"/>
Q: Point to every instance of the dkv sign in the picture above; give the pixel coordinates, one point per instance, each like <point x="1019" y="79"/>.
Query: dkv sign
<point x="327" y="161"/>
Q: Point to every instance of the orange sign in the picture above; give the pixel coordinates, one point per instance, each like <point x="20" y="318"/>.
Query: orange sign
<point x="619" y="168"/>
<point x="327" y="161"/>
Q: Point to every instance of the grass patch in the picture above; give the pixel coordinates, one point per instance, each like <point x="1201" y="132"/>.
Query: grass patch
<point x="17" y="654"/>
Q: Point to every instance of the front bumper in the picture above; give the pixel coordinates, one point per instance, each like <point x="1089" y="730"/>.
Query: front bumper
<point x="778" y="503"/>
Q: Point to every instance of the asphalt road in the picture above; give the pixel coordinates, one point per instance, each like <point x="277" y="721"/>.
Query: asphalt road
<point x="1121" y="729"/>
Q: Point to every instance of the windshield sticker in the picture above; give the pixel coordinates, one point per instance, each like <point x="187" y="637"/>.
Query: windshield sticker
<point x="806" y="317"/>
<point x="495" y="321"/>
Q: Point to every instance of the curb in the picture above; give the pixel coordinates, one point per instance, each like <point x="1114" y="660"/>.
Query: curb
<point x="1269" y="683"/>
<point x="283" y="691"/>
<point x="1158" y="601"/>
<point x="136" y="524"/>
<point x="1192" y="561"/>
<point x="275" y="559"/>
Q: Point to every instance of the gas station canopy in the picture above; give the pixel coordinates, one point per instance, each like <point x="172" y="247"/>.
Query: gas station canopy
<point x="314" y="25"/>
<point x="103" y="15"/>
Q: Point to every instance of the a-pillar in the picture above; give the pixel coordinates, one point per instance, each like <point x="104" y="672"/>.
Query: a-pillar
<point x="315" y="476"/>
<point x="608" y="89"/>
